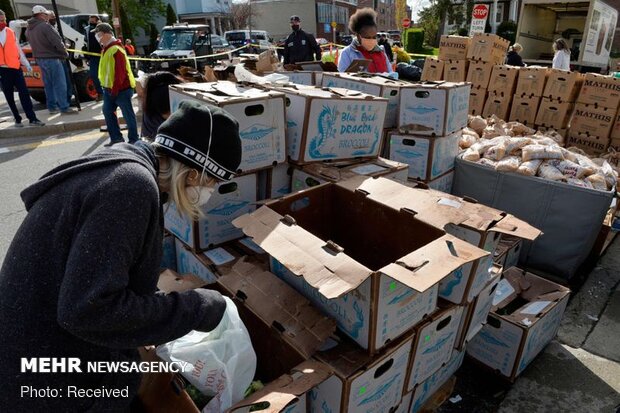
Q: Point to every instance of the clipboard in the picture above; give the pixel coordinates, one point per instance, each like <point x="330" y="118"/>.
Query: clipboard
<point x="358" y="65"/>
<point x="314" y="66"/>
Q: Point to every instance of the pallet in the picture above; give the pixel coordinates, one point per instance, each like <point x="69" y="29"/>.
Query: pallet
<point x="439" y="397"/>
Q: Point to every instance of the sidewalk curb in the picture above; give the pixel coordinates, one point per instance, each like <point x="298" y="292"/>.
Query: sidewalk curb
<point x="54" y="129"/>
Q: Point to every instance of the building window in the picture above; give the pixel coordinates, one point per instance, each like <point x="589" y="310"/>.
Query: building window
<point x="499" y="16"/>
<point x="324" y="13"/>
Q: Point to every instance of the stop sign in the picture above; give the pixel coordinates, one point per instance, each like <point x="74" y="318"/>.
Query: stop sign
<point x="406" y="22"/>
<point x="481" y="11"/>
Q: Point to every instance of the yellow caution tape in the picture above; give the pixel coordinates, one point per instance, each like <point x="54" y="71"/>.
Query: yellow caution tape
<point x="168" y="59"/>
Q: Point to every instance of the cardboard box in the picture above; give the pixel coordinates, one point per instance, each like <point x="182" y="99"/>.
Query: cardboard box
<point x="503" y="80"/>
<point x="289" y="393"/>
<point x="454" y="47"/>
<point x="489" y="48"/>
<point x="428" y="387"/>
<point x="479" y="74"/>
<point x="371" y="85"/>
<point x="433" y="344"/>
<point x="615" y="130"/>
<point x="230" y="200"/>
<point x="524" y="109"/>
<point x="526" y="314"/>
<point x="475" y="314"/>
<point x="563" y="85"/>
<point x="266" y="303"/>
<point x="498" y="105"/>
<point x="554" y="114"/>
<point x="169" y="253"/>
<point x="532" y="81"/>
<point x="441" y="184"/>
<point x="260" y="114"/>
<point x="405" y="403"/>
<point x="300" y="77"/>
<point x="338" y="244"/>
<point x="508" y="251"/>
<point x="434" y="109"/>
<point x="278" y="181"/>
<point x="455" y="70"/>
<point x="206" y="265"/>
<point x="170" y="281"/>
<point x="433" y="70"/>
<point x="319" y="173"/>
<point x="592" y="145"/>
<point x="477" y="99"/>
<point x="428" y="158"/>
<point x="362" y="383"/>
<point x="332" y="124"/>
<point x="592" y="122"/>
<point x="601" y="90"/>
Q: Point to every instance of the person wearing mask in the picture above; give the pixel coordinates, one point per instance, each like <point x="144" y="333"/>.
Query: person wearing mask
<point x="51" y="19"/>
<point x="385" y="43"/>
<point x="118" y="85"/>
<point x="90" y="290"/>
<point x="156" y="102"/>
<point x="12" y="58"/>
<point x="299" y="45"/>
<point x="93" y="46"/>
<point x="364" y="45"/>
<point x="561" y="57"/>
<point x="513" y="58"/>
<point x="129" y="47"/>
<point x="50" y="53"/>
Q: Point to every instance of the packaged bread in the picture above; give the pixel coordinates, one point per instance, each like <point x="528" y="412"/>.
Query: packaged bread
<point x="582" y="183"/>
<point x="487" y="162"/>
<point x="478" y="124"/>
<point x="598" y="181"/>
<point x="519" y="129"/>
<point x="550" y="172"/>
<point x="465" y="141"/>
<point x="496" y="152"/>
<point x="514" y="144"/>
<point x="537" y="151"/>
<point x="508" y="164"/>
<point x="569" y="168"/>
<point x="470" y="131"/>
<point x="529" y="168"/>
<point x="471" y="154"/>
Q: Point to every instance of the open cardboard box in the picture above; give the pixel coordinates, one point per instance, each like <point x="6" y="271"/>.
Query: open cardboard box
<point x="361" y="252"/>
<point x="205" y="265"/>
<point x="260" y="113"/>
<point x="526" y="314"/>
<point x="315" y="174"/>
<point x="372" y="85"/>
<point x="331" y="123"/>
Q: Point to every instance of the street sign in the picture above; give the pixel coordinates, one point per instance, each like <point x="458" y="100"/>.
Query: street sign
<point x="327" y="28"/>
<point x="116" y="22"/>
<point x="334" y="25"/>
<point x="479" y="18"/>
<point x="406" y="22"/>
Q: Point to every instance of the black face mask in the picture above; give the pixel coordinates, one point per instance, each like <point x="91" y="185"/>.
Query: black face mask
<point x="295" y="27"/>
<point x="93" y="25"/>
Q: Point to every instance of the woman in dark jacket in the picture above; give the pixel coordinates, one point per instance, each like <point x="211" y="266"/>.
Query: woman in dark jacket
<point x="156" y="102"/>
<point x="79" y="279"/>
<point x="513" y="58"/>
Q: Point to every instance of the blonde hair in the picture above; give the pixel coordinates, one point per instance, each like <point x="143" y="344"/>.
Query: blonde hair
<point x="173" y="177"/>
<point x="517" y="47"/>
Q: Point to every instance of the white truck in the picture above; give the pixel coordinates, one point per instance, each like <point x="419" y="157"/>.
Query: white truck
<point x="588" y="26"/>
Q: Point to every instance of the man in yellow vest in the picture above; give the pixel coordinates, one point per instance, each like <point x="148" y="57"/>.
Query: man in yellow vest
<point x="118" y="84"/>
<point x="11" y="76"/>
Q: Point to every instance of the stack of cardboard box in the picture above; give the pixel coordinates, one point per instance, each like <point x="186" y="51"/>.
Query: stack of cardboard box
<point x="558" y="99"/>
<point x="430" y="122"/>
<point x="485" y="51"/>
<point x="595" y="114"/>
<point x="502" y="85"/>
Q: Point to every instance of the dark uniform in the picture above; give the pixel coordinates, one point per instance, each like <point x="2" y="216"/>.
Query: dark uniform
<point x="301" y="47"/>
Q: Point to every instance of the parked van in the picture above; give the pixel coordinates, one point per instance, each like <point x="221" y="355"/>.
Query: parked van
<point x="239" y="38"/>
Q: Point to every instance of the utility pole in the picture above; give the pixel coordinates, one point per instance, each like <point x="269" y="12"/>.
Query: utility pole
<point x="116" y="19"/>
<point x="250" y="26"/>
<point x="333" y="22"/>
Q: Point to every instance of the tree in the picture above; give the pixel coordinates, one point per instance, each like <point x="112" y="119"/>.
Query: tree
<point x="241" y="13"/>
<point x="432" y="18"/>
<point x="127" y="32"/>
<point x="400" y="13"/>
<point x="171" y="16"/>
<point x="5" y="6"/>
<point x="153" y="33"/>
<point x="139" y="12"/>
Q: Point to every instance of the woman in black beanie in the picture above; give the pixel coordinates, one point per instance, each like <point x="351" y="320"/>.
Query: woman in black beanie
<point x="79" y="279"/>
<point x="156" y="102"/>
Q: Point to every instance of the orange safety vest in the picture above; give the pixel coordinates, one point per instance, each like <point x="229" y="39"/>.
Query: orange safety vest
<point x="9" y="55"/>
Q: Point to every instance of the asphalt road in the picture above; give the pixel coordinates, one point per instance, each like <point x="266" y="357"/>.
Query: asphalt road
<point x="24" y="160"/>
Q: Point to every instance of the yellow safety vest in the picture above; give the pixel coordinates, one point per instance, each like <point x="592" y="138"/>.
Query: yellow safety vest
<point x="107" y="65"/>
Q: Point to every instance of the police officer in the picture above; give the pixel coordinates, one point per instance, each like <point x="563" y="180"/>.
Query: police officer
<point x="300" y="46"/>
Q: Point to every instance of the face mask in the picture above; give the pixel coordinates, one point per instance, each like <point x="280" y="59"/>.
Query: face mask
<point x="199" y="195"/>
<point x="295" y="27"/>
<point x="98" y="36"/>
<point x="369" y="44"/>
<point x="2" y="26"/>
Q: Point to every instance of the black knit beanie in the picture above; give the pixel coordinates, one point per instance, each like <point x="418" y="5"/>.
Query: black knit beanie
<point x="184" y="136"/>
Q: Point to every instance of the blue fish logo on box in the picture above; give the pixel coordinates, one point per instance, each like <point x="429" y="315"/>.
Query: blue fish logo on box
<point x="421" y="110"/>
<point x="291" y="124"/>
<point x="438" y="345"/>
<point x="406" y="153"/>
<point x="228" y="208"/>
<point x="377" y="395"/>
<point x="326" y="125"/>
<point x="485" y="336"/>
<point x="256" y="132"/>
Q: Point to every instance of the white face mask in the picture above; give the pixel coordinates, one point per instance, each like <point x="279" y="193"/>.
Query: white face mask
<point x="199" y="195"/>
<point x="98" y="36"/>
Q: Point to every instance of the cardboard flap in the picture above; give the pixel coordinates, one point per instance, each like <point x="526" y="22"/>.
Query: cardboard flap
<point x="279" y="306"/>
<point x="428" y="265"/>
<point x="511" y="225"/>
<point x="332" y="273"/>
<point x="282" y="391"/>
<point x="170" y="281"/>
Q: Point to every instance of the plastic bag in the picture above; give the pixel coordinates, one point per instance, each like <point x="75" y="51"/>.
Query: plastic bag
<point x="487" y="162"/>
<point x="529" y="168"/>
<point x="465" y="141"/>
<point x="582" y="183"/>
<point x="470" y="131"/>
<point x="598" y="181"/>
<point x="548" y="171"/>
<point x="493" y="131"/>
<point x="496" y="152"/>
<point x="477" y="123"/>
<point x="569" y="168"/>
<point x="519" y="129"/>
<point x="541" y="152"/>
<point x="569" y="155"/>
<point x="471" y="154"/>
<point x="508" y="164"/>
<point x="514" y="144"/>
<point x="222" y="361"/>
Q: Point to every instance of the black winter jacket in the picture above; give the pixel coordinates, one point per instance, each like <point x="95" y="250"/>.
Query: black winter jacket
<point x="513" y="59"/>
<point x="301" y="47"/>
<point x="79" y="280"/>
